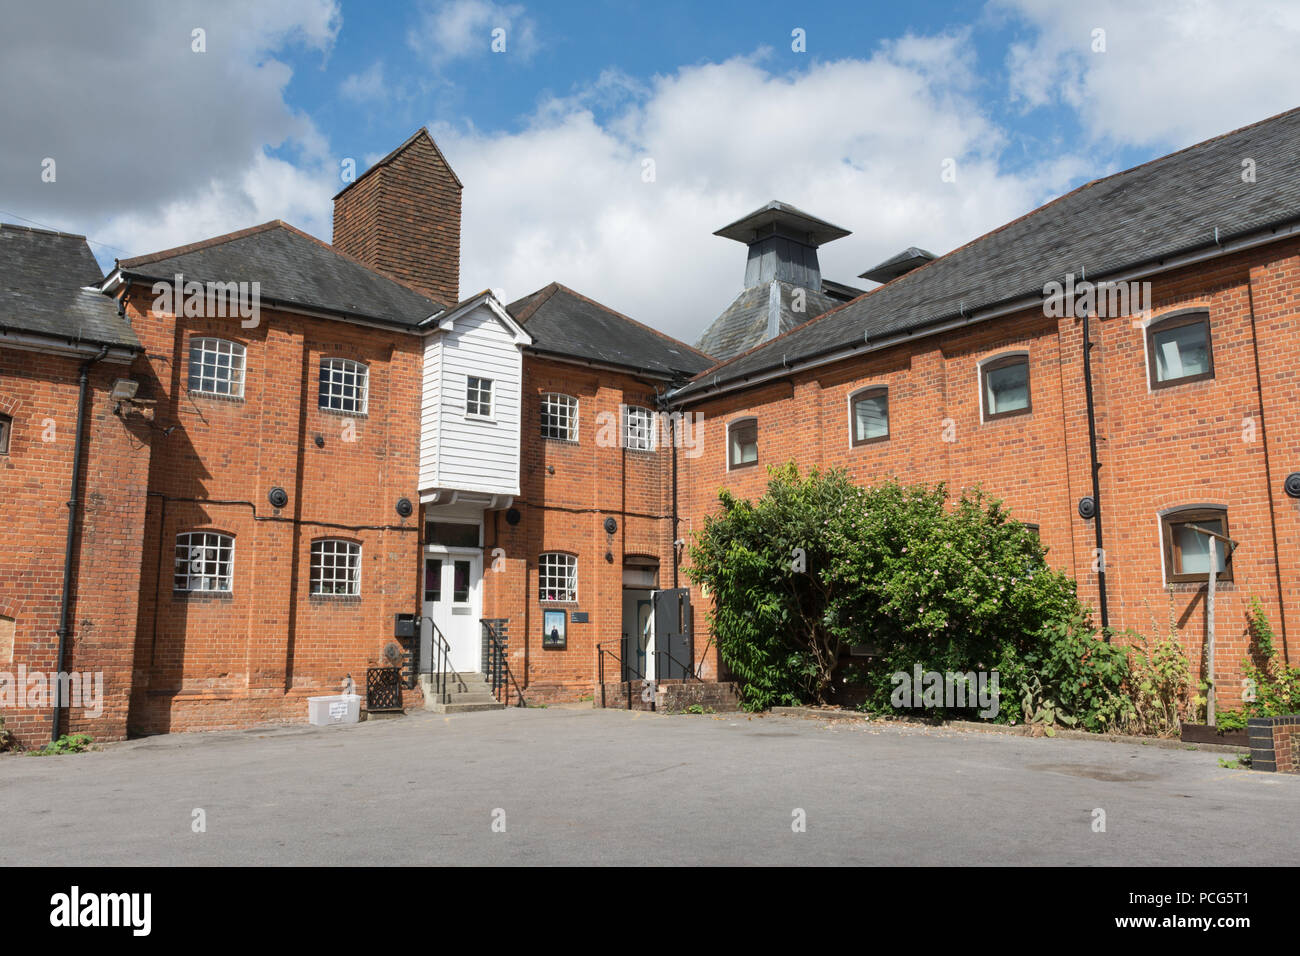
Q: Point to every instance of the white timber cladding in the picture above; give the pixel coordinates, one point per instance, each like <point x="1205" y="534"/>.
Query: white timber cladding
<point x="458" y="451"/>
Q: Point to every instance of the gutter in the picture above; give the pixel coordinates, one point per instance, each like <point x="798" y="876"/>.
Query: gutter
<point x="83" y="381"/>
<point x="1282" y="229"/>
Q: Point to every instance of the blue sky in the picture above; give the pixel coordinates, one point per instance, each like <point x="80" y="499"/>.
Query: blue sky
<point x="158" y="145"/>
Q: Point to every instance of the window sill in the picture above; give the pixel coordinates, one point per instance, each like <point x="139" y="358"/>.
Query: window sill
<point x="216" y="396"/>
<point x="342" y="414"/>
<point x="201" y="597"/>
<point x="334" y="598"/>
<point x="571" y="442"/>
<point x="484" y="419"/>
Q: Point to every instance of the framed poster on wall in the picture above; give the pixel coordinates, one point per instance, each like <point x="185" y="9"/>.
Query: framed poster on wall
<point x="553" y="628"/>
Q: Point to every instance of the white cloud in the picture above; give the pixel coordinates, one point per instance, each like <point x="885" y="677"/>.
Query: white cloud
<point x="1172" y="73"/>
<point x="156" y="144"/>
<point x="450" y="30"/>
<point x="365" y="86"/>
<point x="857" y="142"/>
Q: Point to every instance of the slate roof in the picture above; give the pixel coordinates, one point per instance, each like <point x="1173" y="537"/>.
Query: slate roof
<point x="893" y="267"/>
<point x="783" y="217"/>
<point x="293" y="269"/>
<point x="745" y="323"/>
<point x="563" y="322"/>
<point x="1163" y="208"/>
<point x="42" y="280"/>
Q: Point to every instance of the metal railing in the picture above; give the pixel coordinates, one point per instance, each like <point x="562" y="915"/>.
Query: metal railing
<point x="600" y="672"/>
<point x="497" y="664"/>
<point x="439" y="663"/>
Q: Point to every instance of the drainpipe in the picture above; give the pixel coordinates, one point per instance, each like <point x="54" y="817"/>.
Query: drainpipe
<point x="83" y="382"/>
<point x="1096" y="480"/>
<point x="676" y="426"/>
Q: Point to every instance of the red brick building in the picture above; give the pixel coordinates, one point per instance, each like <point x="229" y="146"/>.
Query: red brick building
<point x="320" y="439"/>
<point x="969" y="369"/>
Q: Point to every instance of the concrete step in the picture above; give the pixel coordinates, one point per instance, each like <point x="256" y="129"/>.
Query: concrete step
<point x="466" y="693"/>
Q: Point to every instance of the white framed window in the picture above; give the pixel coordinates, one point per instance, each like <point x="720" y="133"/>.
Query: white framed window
<point x="1004" y="386"/>
<point x="869" y="415"/>
<point x="557" y="577"/>
<point x="478" y="396"/>
<point x="335" y="567"/>
<point x="638" y="428"/>
<point x="217" y="367"/>
<point x="742" y="443"/>
<point x="344" y="385"/>
<point x="559" y="417"/>
<point x="204" y="561"/>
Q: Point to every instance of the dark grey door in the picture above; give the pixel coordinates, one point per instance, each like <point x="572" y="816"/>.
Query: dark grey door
<point x="673" y="649"/>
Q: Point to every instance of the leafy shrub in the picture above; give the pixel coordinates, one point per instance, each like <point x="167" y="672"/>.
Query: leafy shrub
<point x="818" y="564"/>
<point x="1277" y="686"/>
<point x="1157" y="688"/>
<point x="7" y="739"/>
<point x="66" y="744"/>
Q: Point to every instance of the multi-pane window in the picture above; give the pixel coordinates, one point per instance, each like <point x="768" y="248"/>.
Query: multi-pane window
<point x="335" y="567"/>
<point x="1179" y="349"/>
<point x="204" y="560"/>
<point x="1187" y="547"/>
<point x="742" y="443"/>
<point x="343" y="385"/>
<point x="1005" y="382"/>
<point x="557" y="577"/>
<point x="560" y="417"/>
<point x="217" y="367"/>
<point x="6" y="429"/>
<point x="870" y="411"/>
<point x="638" y="428"/>
<point x="478" y="397"/>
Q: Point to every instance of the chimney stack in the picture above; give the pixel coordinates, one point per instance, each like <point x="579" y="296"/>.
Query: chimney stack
<point x="402" y="217"/>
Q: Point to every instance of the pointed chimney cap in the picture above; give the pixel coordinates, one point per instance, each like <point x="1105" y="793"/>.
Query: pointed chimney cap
<point x="895" y="266"/>
<point x="784" y="219"/>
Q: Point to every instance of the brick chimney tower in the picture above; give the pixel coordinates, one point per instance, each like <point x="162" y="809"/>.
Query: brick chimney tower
<point x="402" y="216"/>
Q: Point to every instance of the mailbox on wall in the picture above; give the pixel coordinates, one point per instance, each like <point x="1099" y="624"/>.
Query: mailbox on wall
<point x="404" y="625"/>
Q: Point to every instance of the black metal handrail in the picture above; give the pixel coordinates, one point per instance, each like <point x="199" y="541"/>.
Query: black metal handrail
<point x="499" y="673"/>
<point x="688" y="671"/>
<point x="439" y="658"/>
<point x="600" y="672"/>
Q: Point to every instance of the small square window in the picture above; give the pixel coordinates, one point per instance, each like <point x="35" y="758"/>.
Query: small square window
<point x="344" y="385"/>
<point x="216" y="367"/>
<point x="1006" y="387"/>
<point x="743" y="443"/>
<point x="870" y="416"/>
<point x="478" y="397"/>
<point x="1187" y="549"/>
<point x="560" y="417"/>
<point x="204" y="561"/>
<point x="1179" y="350"/>
<point x="557" y="578"/>
<point x="335" y="567"/>
<point x="638" y="428"/>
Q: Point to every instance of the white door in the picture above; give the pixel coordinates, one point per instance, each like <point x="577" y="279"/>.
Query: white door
<point x="452" y="602"/>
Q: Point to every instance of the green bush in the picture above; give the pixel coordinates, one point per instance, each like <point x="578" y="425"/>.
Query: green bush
<point x="1277" y="686"/>
<point x="818" y="564"/>
<point x="66" y="744"/>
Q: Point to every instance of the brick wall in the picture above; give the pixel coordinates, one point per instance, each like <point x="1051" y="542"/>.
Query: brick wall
<point x="1189" y="444"/>
<point x="403" y="218"/>
<point x="593" y="479"/>
<point x="40" y="391"/>
<point x="205" y="661"/>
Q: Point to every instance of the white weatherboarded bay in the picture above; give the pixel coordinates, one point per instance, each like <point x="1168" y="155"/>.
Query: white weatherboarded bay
<point x="459" y="451"/>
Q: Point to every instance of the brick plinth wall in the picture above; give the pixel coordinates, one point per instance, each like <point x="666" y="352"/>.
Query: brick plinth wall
<point x="1275" y="743"/>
